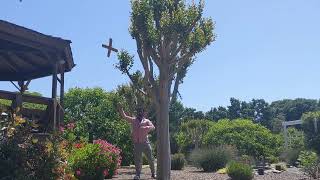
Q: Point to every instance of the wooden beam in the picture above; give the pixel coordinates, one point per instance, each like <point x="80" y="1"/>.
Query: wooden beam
<point x="25" y="76"/>
<point x="54" y="81"/>
<point x="29" y="43"/>
<point x="291" y="123"/>
<point x="7" y="95"/>
<point x="11" y="67"/>
<point x="25" y="98"/>
<point x="22" y="62"/>
<point x="28" y="35"/>
<point x="15" y="86"/>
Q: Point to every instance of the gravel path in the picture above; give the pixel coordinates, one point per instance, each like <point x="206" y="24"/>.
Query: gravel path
<point x="191" y="173"/>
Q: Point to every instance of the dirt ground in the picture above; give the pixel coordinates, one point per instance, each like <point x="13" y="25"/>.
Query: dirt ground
<point x="191" y="173"/>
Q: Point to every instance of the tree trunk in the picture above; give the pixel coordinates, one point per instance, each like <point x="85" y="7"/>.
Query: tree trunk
<point x="163" y="140"/>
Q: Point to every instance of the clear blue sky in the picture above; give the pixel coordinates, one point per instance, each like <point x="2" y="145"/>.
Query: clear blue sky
<point x="265" y="49"/>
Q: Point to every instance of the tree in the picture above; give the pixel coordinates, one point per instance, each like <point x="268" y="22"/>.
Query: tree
<point x="249" y="138"/>
<point x="234" y="109"/>
<point x="175" y="115"/>
<point x="216" y="114"/>
<point x="168" y="35"/>
<point x="191" y="113"/>
<point x="262" y="112"/>
<point x="293" y="109"/>
<point x="192" y="132"/>
<point x="311" y="128"/>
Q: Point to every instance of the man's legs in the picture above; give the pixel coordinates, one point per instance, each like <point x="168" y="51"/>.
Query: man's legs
<point x="138" y="148"/>
<point x="148" y="152"/>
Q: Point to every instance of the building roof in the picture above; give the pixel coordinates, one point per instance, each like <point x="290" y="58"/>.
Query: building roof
<point x="26" y="54"/>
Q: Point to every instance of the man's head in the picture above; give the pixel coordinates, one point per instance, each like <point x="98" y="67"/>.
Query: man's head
<point x="140" y="113"/>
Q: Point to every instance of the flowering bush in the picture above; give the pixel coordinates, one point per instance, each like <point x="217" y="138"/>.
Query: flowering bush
<point x="95" y="161"/>
<point x="25" y="155"/>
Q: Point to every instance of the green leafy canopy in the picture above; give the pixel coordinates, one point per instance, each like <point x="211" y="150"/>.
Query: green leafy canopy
<point x="168" y="33"/>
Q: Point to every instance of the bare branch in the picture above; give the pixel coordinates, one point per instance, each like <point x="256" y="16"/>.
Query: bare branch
<point x="176" y="87"/>
<point x="193" y="25"/>
<point x="181" y="63"/>
<point x="148" y="69"/>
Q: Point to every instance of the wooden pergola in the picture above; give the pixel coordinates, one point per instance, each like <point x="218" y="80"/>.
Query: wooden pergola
<point x="26" y="55"/>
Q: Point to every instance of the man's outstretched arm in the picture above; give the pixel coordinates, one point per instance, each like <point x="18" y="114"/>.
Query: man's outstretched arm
<point x="125" y="116"/>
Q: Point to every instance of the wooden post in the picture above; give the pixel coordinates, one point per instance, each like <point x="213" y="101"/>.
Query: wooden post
<point x="17" y="104"/>
<point x="54" y="94"/>
<point x="54" y="114"/>
<point x="61" y="114"/>
<point x="54" y="81"/>
<point x="62" y="89"/>
<point x="285" y="133"/>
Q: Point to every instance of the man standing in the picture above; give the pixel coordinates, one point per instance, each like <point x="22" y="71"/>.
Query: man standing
<point x="140" y="130"/>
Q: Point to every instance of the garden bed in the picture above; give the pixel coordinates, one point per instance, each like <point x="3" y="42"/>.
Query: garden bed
<point x="191" y="173"/>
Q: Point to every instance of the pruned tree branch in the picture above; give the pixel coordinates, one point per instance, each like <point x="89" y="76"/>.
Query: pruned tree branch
<point x="134" y="83"/>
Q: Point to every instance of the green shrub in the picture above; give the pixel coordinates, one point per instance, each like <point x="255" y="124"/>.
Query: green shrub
<point x="177" y="161"/>
<point x="239" y="171"/>
<point x="247" y="160"/>
<point x="296" y="139"/>
<point x="311" y="136"/>
<point x="249" y="138"/>
<point x="212" y="159"/>
<point x="307" y="157"/>
<point x="310" y="163"/>
<point x="191" y="133"/>
<point x="97" y="106"/>
<point x="272" y="159"/>
<point x="290" y="156"/>
<point x="281" y="167"/>
<point x="26" y="156"/>
<point x="94" y="161"/>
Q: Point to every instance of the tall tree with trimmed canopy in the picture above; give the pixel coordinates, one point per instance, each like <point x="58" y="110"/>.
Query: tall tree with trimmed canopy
<point x="168" y="35"/>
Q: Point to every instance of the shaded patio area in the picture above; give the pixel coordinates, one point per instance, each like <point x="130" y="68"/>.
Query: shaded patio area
<point x="26" y="55"/>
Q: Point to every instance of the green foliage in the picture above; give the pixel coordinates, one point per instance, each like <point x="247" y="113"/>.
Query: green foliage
<point x="212" y="159"/>
<point x="217" y="113"/>
<point x="296" y="139"/>
<point x="290" y="156"/>
<point x="295" y="146"/>
<point x="177" y="161"/>
<point x="97" y="106"/>
<point x="191" y="113"/>
<point x="249" y="138"/>
<point x="293" y="109"/>
<point x="257" y="110"/>
<point x="247" y="160"/>
<point x="272" y="159"/>
<point x="94" y="161"/>
<point x="239" y="171"/>
<point x="310" y="163"/>
<point x="281" y="167"/>
<point x="234" y="109"/>
<point x="176" y="112"/>
<point x="311" y="136"/>
<point x="192" y="133"/>
<point x="153" y="20"/>
<point x="4" y="103"/>
<point x="26" y="156"/>
<point x="307" y="157"/>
